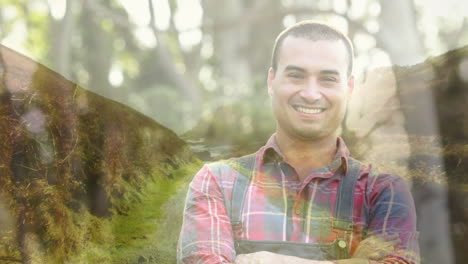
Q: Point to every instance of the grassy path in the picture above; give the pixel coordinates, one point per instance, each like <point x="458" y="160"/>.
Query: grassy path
<point x="148" y="231"/>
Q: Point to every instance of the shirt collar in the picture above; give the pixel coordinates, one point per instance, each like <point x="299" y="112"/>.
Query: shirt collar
<point x="270" y="152"/>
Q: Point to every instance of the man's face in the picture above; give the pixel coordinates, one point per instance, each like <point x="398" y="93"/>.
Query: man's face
<point x="310" y="88"/>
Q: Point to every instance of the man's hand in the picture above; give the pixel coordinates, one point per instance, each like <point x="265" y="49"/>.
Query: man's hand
<point x="376" y="247"/>
<point x="261" y="257"/>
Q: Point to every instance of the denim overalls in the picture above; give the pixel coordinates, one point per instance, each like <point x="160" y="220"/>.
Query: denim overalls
<point x="342" y="220"/>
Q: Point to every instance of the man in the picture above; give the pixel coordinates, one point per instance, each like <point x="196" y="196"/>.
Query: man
<point x="301" y="198"/>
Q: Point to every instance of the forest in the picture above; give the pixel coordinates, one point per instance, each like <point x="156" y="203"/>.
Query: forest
<point x="108" y="108"/>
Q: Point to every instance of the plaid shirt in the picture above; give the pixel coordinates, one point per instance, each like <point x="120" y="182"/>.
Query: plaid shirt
<point x="278" y="206"/>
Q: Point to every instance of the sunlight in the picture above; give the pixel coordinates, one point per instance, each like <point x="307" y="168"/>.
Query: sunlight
<point x="162" y="14"/>
<point x="188" y="19"/>
<point x="188" y="14"/>
<point x="138" y="11"/>
<point x="15" y="40"/>
<point x="116" y="76"/>
<point x="146" y="37"/>
<point x="57" y="8"/>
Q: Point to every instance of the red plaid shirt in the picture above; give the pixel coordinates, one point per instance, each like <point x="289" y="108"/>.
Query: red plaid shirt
<point x="278" y="206"/>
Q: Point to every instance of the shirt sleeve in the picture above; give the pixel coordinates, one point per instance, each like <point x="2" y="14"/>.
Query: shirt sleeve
<point x="206" y="234"/>
<point x="392" y="211"/>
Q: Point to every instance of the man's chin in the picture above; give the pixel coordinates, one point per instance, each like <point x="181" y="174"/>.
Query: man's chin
<point x="308" y="135"/>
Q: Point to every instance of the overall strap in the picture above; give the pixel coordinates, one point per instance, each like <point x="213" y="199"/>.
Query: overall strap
<point x="343" y="216"/>
<point x="245" y="167"/>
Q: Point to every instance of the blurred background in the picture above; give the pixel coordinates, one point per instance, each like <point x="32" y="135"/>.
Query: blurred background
<point x="198" y="67"/>
<point x="179" y="60"/>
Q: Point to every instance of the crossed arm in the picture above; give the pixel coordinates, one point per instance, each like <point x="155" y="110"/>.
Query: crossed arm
<point x="206" y="235"/>
<point x="372" y="249"/>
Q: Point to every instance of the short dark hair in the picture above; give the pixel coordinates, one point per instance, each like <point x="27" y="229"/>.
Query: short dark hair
<point x="312" y="30"/>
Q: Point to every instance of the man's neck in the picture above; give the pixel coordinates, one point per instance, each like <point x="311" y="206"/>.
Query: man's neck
<point x="307" y="155"/>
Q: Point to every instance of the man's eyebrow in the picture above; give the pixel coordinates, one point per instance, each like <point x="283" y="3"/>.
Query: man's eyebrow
<point x="294" y="68"/>
<point x="332" y="72"/>
<point x="300" y="69"/>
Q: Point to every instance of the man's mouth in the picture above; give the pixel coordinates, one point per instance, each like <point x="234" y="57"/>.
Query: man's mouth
<point x="308" y="110"/>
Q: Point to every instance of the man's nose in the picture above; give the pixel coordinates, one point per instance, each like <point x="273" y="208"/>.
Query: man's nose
<point x="311" y="91"/>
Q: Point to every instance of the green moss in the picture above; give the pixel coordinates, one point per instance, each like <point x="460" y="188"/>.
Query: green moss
<point x="148" y="230"/>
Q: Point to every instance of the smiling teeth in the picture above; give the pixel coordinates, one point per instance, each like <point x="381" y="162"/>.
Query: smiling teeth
<point x="308" y="110"/>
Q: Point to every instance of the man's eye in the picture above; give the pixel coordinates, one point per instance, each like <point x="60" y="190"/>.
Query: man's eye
<point x="329" y="79"/>
<point x="296" y="76"/>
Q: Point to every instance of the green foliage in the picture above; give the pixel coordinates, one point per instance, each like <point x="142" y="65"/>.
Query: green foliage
<point x="100" y="155"/>
<point x="37" y="31"/>
<point x="141" y="225"/>
<point x="150" y="229"/>
<point x="147" y="230"/>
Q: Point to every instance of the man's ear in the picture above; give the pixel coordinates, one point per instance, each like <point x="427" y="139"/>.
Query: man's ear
<point x="270" y="78"/>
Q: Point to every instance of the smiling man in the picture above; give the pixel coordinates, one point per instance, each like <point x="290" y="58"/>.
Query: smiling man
<point x="301" y="198"/>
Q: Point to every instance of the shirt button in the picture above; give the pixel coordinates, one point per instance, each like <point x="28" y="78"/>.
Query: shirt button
<point x="342" y="243"/>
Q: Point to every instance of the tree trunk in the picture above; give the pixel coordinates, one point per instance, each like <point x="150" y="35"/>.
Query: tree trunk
<point x="63" y="31"/>
<point x="230" y="45"/>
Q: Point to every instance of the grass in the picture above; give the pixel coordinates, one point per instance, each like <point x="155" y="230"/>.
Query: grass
<point x="145" y="230"/>
<point x="148" y="231"/>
